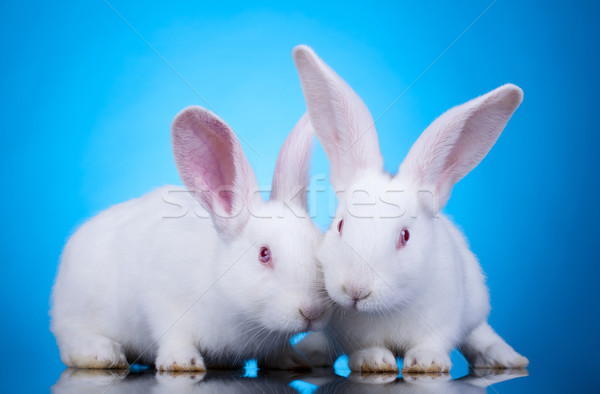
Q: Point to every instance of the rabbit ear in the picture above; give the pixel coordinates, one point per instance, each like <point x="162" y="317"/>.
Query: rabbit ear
<point x="290" y="180"/>
<point x="458" y="140"/>
<point x="340" y="119"/>
<point x="213" y="166"/>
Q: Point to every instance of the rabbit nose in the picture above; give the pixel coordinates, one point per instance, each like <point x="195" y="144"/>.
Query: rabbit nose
<point x="357" y="293"/>
<point x="310" y="313"/>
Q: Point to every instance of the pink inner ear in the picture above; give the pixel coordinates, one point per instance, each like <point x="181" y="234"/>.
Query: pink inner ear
<point x="459" y="139"/>
<point x="203" y="148"/>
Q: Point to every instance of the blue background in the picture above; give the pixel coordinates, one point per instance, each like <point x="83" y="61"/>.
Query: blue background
<point x="86" y="106"/>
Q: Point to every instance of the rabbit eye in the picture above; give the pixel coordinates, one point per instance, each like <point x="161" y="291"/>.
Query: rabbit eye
<point x="340" y="226"/>
<point x="264" y="256"/>
<point x="403" y="239"/>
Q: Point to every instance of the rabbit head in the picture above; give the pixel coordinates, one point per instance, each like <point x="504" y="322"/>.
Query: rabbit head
<point x="265" y="267"/>
<point x="377" y="253"/>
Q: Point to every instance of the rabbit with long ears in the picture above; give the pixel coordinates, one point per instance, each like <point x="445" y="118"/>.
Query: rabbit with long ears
<point x="403" y="275"/>
<point x="143" y="282"/>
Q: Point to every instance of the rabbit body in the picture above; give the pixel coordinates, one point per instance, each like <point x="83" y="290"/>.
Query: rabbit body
<point x="161" y="280"/>
<point x="403" y="277"/>
<point x="413" y="311"/>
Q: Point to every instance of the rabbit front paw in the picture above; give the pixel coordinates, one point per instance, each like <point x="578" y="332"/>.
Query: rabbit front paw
<point x="375" y="359"/>
<point x="287" y="359"/>
<point x="499" y="356"/>
<point x="420" y="360"/>
<point x="184" y="360"/>
<point x="95" y="352"/>
<point x="317" y="349"/>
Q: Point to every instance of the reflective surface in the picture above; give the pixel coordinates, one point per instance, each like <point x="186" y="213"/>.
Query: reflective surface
<point x="236" y="381"/>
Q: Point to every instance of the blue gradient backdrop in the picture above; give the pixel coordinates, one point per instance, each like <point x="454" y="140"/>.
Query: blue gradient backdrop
<point x="86" y="105"/>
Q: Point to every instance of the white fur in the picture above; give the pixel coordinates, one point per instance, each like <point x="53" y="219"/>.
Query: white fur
<point x="424" y="299"/>
<point x="153" y="280"/>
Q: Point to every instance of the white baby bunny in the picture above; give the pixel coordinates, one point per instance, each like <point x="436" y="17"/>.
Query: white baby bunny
<point x="403" y="274"/>
<point x="145" y="282"/>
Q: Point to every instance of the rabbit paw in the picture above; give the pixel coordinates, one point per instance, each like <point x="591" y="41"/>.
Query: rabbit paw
<point x="96" y="352"/>
<point x="287" y="359"/>
<point x="180" y="361"/>
<point x="499" y="356"/>
<point x="317" y="349"/>
<point x="319" y="359"/>
<point x="426" y="361"/>
<point x="375" y="359"/>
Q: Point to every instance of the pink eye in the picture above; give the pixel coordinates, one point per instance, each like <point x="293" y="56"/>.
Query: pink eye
<point x="340" y="226"/>
<point x="403" y="239"/>
<point x="264" y="256"/>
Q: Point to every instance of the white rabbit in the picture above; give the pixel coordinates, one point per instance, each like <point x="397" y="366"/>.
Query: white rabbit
<point x="143" y="282"/>
<point x="403" y="274"/>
